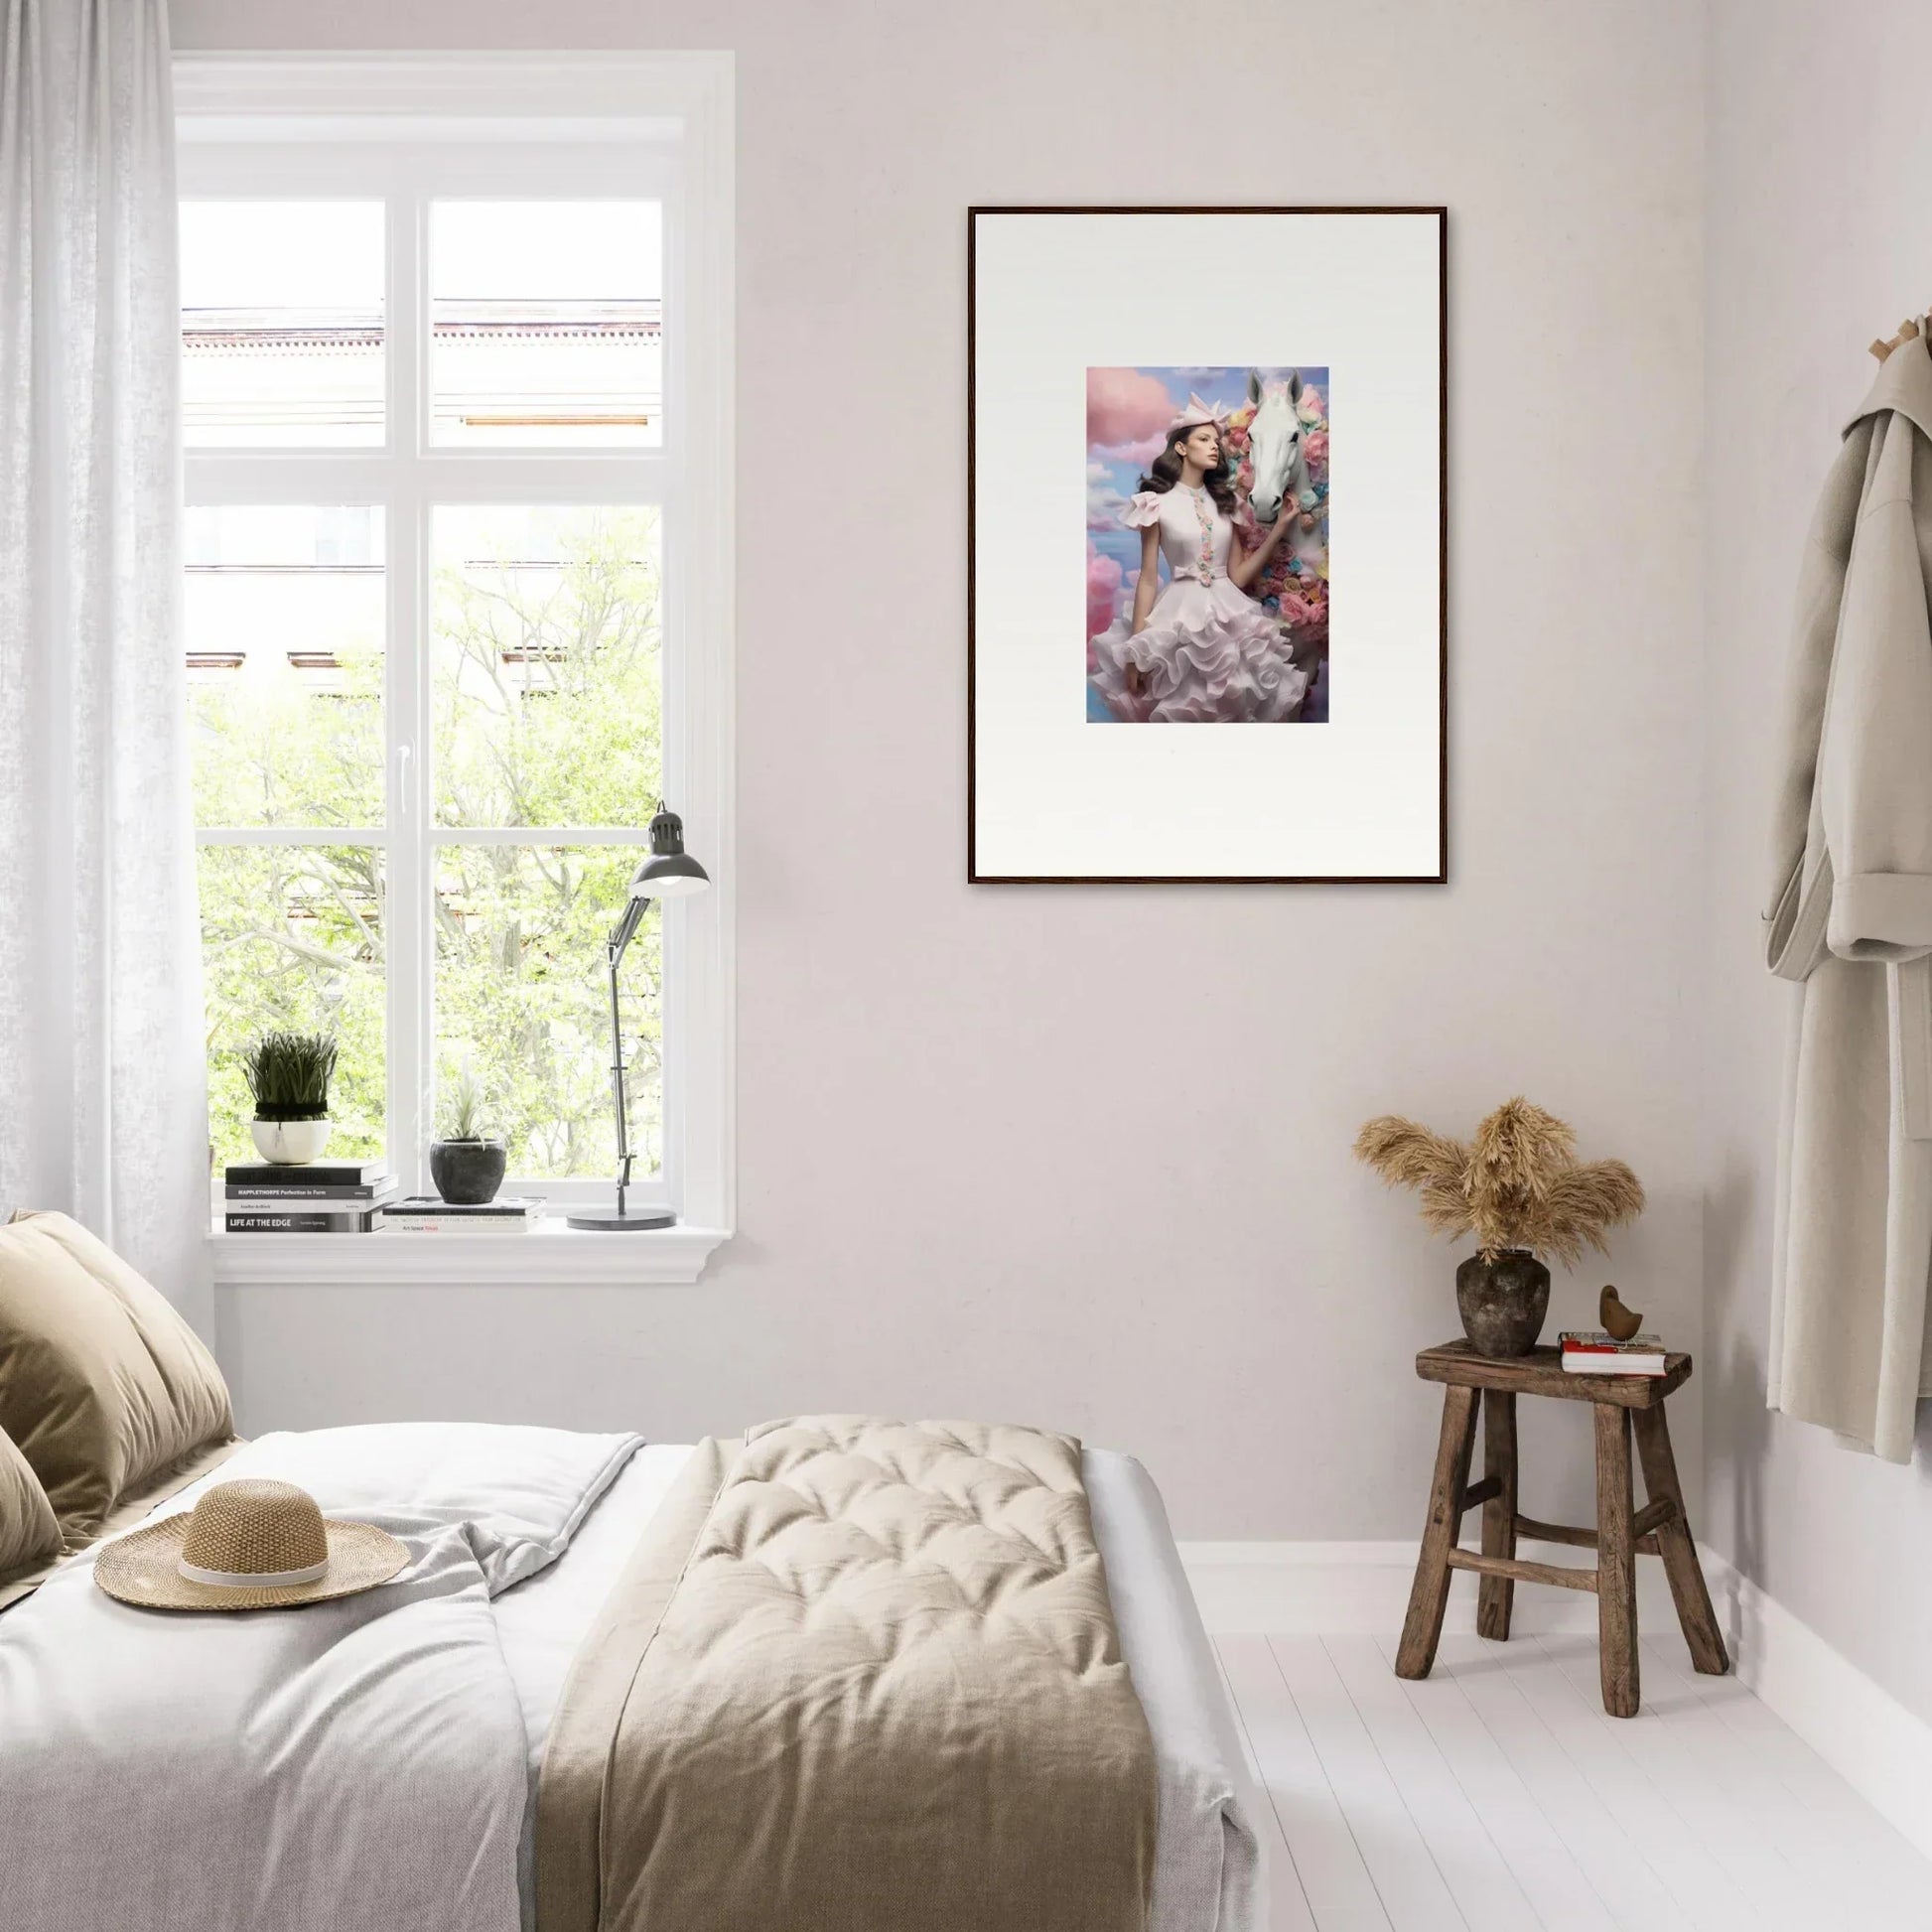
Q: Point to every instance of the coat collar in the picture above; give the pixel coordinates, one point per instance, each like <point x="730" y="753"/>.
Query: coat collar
<point x="1903" y="385"/>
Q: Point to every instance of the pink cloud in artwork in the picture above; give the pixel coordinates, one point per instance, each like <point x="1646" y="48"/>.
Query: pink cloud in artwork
<point x="1125" y="407"/>
<point x="1103" y="591"/>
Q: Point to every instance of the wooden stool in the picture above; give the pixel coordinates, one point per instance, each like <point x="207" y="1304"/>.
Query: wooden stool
<point x="1659" y="1528"/>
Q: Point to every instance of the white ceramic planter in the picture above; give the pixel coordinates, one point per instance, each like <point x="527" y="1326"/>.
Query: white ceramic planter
<point x="290" y="1143"/>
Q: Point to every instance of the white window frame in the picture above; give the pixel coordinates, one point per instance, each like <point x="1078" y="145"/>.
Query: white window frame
<point x="409" y="129"/>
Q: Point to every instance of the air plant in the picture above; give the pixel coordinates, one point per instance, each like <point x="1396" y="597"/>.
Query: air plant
<point x="464" y="1111"/>
<point x="1517" y="1184"/>
<point x="289" y="1076"/>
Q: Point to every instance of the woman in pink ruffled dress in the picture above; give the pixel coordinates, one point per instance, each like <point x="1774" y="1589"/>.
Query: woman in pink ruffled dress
<point x="1201" y="651"/>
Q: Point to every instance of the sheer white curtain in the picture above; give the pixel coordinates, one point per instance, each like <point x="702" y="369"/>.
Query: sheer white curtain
<point x="102" y="1072"/>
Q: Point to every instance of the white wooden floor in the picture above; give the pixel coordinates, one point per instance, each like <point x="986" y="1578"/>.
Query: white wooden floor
<point x="1496" y="1795"/>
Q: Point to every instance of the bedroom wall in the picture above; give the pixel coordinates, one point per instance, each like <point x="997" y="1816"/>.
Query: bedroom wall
<point x="1818" y="243"/>
<point x="1080" y="1155"/>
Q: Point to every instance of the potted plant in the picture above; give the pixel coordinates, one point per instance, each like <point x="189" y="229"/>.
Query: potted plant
<point x="289" y="1076"/>
<point x="468" y="1163"/>
<point x="1519" y="1188"/>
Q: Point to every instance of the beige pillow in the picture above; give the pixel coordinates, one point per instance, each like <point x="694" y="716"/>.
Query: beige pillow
<point x="29" y="1535"/>
<point x="102" y="1385"/>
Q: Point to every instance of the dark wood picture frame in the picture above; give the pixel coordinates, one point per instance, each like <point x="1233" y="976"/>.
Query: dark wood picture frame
<point x="974" y="876"/>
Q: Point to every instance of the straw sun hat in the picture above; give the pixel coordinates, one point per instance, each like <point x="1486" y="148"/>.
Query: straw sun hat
<point x="249" y="1545"/>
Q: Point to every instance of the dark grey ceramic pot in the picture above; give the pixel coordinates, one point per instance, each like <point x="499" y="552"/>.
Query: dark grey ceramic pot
<point x="1503" y="1302"/>
<point x="468" y="1173"/>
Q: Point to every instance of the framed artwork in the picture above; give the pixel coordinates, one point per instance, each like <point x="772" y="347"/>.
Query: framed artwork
<point x="1207" y="489"/>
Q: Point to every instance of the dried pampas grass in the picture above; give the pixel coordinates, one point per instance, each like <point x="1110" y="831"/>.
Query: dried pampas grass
<point x="1517" y="1185"/>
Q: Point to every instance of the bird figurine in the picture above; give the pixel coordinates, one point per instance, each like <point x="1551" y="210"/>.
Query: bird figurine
<point x="1617" y="1320"/>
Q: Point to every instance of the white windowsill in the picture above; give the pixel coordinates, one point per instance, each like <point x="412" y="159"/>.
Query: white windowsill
<point x="550" y="1255"/>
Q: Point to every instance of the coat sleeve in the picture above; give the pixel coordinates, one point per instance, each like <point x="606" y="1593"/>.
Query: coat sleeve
<point x="1876" y="754"/>
<point x="1796" y="907"/>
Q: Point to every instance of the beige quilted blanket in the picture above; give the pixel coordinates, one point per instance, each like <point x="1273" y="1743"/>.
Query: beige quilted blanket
<point x="860" y="1676"/>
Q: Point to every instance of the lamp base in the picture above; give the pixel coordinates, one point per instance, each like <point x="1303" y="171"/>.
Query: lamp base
<point x="612" y="1223"/>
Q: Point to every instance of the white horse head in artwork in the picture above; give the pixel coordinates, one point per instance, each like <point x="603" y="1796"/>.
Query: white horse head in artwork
<point x="1281" y="469"/>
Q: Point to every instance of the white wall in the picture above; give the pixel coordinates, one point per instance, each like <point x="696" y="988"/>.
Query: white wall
<point x="1080" y="1155"/>
<point x="1820" y="225"/>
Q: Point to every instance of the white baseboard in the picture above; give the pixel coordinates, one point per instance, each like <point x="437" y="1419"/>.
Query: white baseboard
<point x="1883" y="1750"/>
<point x="1880" y="1748"/>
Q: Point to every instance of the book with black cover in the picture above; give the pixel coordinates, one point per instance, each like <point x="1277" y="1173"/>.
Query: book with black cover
<point x="315" y="1222"/>
<point x="294" y="1203"/>
<point x="293" y="1189"/>
<point x="315" y="1173"/>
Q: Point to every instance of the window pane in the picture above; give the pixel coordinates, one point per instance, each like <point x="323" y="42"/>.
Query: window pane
<point x="281" y="324"/>
<point x="546" y="323"/>
<point x="547" y="678"/>
<point x="292" y="937"/>
<point x="522" y="1002"/>
<point x="284" y="627"/>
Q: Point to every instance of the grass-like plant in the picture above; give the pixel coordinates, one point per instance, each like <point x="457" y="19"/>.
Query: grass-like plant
<point x="1517" y="1184"/>
<point x="289" y="1076"/>
<point x="464" y="1110"/>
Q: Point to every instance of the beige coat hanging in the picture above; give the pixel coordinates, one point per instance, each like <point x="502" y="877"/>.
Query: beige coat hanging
<point x="1850" y="916"/>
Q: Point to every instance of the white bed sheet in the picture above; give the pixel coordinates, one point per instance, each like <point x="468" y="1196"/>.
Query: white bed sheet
<point x="1209" y="1873"/>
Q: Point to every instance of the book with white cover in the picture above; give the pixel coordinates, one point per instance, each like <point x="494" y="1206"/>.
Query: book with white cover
<point x="1595" y="1352"/>
<point x="426" y="1214"/>
<point x="455" y="1224"/>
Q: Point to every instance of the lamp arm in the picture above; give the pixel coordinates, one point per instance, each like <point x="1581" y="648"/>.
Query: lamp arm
<point x="614" y="947"/>
<point x="626" y="929"/>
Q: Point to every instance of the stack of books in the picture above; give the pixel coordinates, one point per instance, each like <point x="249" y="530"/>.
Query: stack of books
<point x="324" y="1197"/>
<point x="426" y="1214"/>
<point x="1594" y="1351"/>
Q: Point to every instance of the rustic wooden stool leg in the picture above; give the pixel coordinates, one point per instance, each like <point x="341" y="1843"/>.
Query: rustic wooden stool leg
<point x="1496" y="1595"/>
<point x="1677" y="1547"/>
<point x="1421" y="1629"/>
<point x="1617" y="1563"/>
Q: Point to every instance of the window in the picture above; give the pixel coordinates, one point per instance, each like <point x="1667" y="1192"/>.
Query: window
<point x="456" y="345"/>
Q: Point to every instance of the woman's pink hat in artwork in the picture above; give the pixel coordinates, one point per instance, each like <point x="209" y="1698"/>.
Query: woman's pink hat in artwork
<point x="1198" y="413"/>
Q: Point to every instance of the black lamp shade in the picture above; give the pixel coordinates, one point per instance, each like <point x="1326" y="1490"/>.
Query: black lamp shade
<point x="670" y="872"/>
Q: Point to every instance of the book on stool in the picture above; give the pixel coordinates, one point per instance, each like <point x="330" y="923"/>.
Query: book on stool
<point x="1595" y="1352"/>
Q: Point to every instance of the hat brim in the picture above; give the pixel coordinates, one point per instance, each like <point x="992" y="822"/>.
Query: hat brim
<point x="142" y="1569"/>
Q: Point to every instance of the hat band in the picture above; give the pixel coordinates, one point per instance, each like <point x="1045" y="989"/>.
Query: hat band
<point x="309" y="1573"/>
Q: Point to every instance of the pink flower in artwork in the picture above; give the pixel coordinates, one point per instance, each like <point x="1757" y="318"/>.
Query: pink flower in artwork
<point x="1126" y="407"/>
<point x="1308" y="619"/>
<point x="1315" y="448"/>
<point x="1103" y="591"/>
<point x="1309" y="407"/>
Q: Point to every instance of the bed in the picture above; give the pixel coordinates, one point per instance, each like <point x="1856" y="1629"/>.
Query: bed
<point x="839" y="1674"/>
<point x="556" y="1577"/>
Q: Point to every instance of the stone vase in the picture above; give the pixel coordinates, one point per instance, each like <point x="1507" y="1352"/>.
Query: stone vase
<point x="1503" y="1302"/>
<point x="467" y="1174"/>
